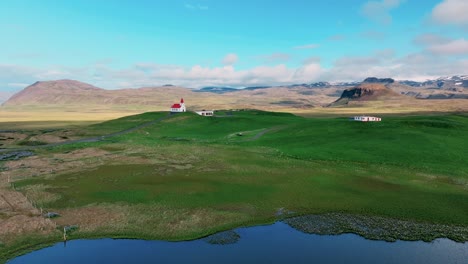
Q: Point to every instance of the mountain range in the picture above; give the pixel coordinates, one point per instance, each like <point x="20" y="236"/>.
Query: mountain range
<point x="318" y="94"/>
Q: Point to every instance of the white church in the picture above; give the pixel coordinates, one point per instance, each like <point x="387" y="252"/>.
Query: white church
<point x="179" y="108"/>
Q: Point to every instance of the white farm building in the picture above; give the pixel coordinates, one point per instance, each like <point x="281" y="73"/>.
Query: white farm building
<point x="178" y="108"/>
<point x="205" y="112"/>
<point x="367" y="119"/>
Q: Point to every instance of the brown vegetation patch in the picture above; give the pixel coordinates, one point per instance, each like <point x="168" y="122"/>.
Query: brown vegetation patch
<point x="441" y="179"/>
<point x="91" y="218"/>
<point x="12" y="202"/>
<point x="23" y="224"/>
<point x="176" y="223"/>
<point x="82" y="153"/>
<point x="241" y="208"/>
<point x="38" y="194"/>
<point x="81" y="159"/>
<point x="20" y="217"/>
<point x="11" y="138"/>
<point x="52" y="138"/>
<point x="376" y="184"/>
<point x="119" y="159"/>
<point x="181" y="166"/>
<point x="147" y="220"/>
<point x="175" y="119"/>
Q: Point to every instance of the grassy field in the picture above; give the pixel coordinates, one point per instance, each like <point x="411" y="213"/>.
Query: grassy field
<point x="189" y="176"/>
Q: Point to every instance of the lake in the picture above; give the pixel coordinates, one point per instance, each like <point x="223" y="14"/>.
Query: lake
<point x="276" y="243"/>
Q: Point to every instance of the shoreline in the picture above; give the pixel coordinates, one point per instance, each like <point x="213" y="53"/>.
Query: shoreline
<point x="328" y="224"/>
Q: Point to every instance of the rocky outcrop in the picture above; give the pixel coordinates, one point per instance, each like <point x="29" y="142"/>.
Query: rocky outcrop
<point x="368" y="91"/>
<point x="377" y="80"/>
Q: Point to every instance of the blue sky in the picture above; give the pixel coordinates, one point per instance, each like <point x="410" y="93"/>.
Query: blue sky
<point x="117" y="44"/>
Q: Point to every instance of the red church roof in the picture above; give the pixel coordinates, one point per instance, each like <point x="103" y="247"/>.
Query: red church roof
<point x="178" y="105"/>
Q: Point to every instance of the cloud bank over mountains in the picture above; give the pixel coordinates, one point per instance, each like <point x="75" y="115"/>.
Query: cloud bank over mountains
<point x="434" y="60"/>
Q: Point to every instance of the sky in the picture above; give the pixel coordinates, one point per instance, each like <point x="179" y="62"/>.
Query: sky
<point x="237" y="43"/>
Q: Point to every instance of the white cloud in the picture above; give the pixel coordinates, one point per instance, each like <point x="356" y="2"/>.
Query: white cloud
<point x="373" y="35"/>
<point x="150" y="74"/>
<point x="417" y="66"/>
<point x="385" y="53"/>
<point x="376" y="58"/>
<point x="337" y="38"/>
<point x="308" y="73"/>
<point x="312" y="60"/>
<point x="420" y="66"/>
<point x="454" y="47"/>
<point x="18" y="85"/>
<point x="26" y="56"/>
<point x="11" y="73"/>
<point x="380" y="10"/>
<point x="381" y="63"/>
<point x="197" y="7"/>
<point x="442" y="46"/>
<point x="308" y="46"/>
<point x="230" y="59"/>
<point x="53" y="74"/>
<point x="5" y="95"/>
<point x="451" y="12"/>
<point x="430" y="39"/>
<point x="275" y="57"/>
<point x="104" y="61"/>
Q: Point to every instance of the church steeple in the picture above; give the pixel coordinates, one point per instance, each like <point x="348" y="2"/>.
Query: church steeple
<point x="182" y="105"/>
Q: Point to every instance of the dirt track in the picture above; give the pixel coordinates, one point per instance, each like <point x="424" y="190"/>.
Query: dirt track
<point x="263" y="132"/>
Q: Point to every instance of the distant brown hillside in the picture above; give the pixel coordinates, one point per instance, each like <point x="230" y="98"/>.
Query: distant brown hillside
<point x="54" y="92"/>
<point x="72" y="93"/>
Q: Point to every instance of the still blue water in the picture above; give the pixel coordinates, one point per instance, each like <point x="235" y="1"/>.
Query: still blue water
<point x="277" y="243"/>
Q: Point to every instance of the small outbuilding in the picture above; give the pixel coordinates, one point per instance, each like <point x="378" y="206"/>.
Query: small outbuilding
<point x="205" y="112"/>
<point x="367" y="119"/>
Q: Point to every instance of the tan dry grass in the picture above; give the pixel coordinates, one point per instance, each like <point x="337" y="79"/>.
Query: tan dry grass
<point x="176" y="223"/>
<point x="72" y="115"/>
<point x="7" y="139"/>
<point x="12" y="201"/>
<point x="389" y="107"/>
<point x="20" y="224"/>
<point x="143" y="220"/>
<point x="50" y="138"/>
<point x="54" y="164"/>
<point x="59" y="118"/>
<point x="93" y="217"/>
<point x="20" y="216"/>
<point x="39" y="195"/>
